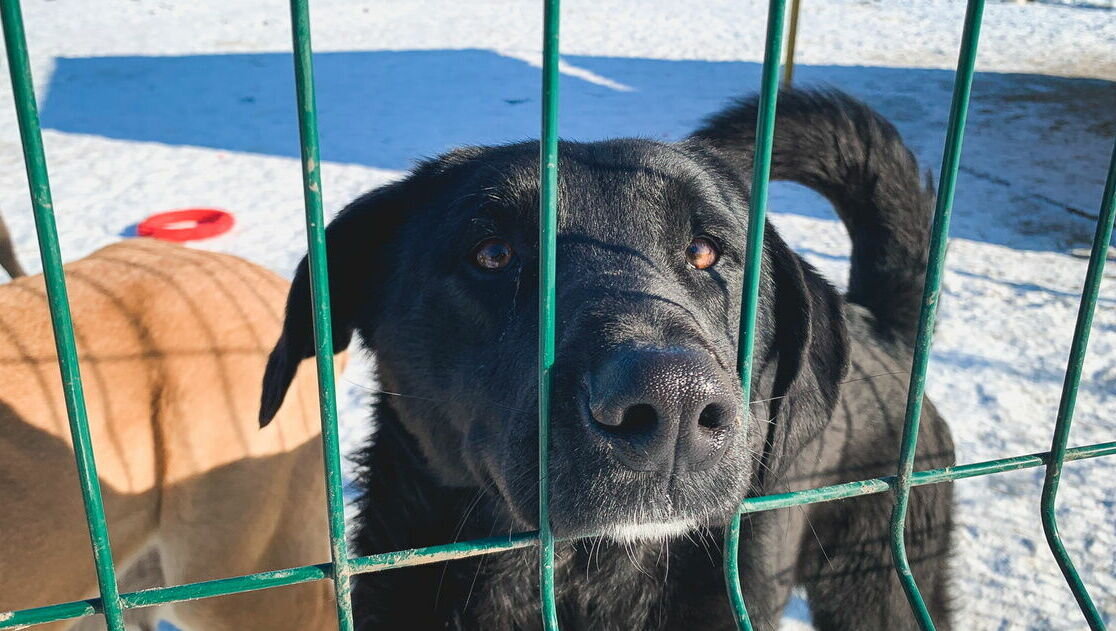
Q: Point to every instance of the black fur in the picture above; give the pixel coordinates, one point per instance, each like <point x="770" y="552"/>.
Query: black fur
<point x="839" y="147"/>
<point x="454" y="457"/>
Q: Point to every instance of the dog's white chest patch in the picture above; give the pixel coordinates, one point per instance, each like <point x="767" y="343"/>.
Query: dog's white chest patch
<point x="654" y="531"/>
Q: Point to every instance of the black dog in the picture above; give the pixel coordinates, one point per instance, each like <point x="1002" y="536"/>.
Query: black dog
<point x="651" y="446"/>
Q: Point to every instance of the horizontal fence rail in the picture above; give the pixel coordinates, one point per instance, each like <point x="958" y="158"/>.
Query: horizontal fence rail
<point x="477" y="547"/>
<point x="112" y="604"/>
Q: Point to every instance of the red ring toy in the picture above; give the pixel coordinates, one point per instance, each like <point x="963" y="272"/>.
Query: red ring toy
<point x="190" y="224"/>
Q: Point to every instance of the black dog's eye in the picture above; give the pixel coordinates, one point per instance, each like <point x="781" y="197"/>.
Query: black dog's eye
<point x="702" y="253"/>
<point x="492" y="254"/>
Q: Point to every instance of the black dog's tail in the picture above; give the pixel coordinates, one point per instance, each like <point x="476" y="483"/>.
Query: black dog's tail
<point x="849" y="153"/>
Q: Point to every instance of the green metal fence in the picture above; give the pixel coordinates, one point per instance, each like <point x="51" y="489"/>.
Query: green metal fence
<point x="111" y="603"/>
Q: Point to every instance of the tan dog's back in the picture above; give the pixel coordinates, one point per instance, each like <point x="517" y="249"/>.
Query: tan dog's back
<point x="172" y="344"/>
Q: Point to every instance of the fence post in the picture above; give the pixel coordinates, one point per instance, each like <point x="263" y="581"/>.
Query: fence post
<point x="23" y="90"/>
<point x="792" y="42"/>
<point x="548" y="247"/>
<point x="753" y="260"/>
<point x="931" y="294"/>
<point x="319" y="285"/>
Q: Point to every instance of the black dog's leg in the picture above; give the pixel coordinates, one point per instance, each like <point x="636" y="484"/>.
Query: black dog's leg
<point x="769" y="544"/>
<point x="848" y="571"/>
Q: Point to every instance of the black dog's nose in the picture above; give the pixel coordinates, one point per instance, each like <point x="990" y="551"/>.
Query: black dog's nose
<point x="662" y="409"/>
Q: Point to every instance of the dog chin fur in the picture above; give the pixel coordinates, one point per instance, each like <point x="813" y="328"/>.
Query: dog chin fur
<point x="654" y="531"/>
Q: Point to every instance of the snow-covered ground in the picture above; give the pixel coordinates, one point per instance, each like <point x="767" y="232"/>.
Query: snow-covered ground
<point x="153" y="105"/>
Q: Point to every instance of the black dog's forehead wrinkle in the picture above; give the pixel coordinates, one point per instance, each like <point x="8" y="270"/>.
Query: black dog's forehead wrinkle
<point x="606" y="185"/>
<point x="588" y="258"/>
<point x="635" y="196"/>
<point x="652" y="178"/>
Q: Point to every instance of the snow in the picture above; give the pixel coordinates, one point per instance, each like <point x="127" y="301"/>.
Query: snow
<point x="149" y="106"/>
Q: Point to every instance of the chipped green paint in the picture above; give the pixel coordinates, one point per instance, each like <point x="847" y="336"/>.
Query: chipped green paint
<point x="50" y="613"/>
<point x="236" y="585"/>
<point x="319" y="285"/>
<point x="448" y="552"/>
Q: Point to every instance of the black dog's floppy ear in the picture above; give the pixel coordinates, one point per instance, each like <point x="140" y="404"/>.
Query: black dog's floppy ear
<point x="811" y="348"/>
<point x="356" y="241"/>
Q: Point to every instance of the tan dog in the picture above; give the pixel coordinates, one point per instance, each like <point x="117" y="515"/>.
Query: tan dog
<point x="172" y="343"/>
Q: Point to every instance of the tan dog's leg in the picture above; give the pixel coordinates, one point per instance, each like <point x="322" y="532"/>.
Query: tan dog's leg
<point x="217" y="526"/>
<point x="8" y="258"/>
<point x="262" y="510"/>
<point x="144" y="573"/>
<point x="44" y="543"/>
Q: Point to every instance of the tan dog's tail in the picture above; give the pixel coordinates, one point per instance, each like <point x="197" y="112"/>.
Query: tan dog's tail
<point x="8" y="258"/>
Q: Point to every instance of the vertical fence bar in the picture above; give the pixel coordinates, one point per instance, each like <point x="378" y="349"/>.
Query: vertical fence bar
<point x="951" y="159"/>
<point x="548" y="249"/>
<point x="792" y="42"/>
<point x="19" y="66"/>
<point x="319" y="284"/>
<point x="753" y="259"/>
<point x="1069" y="398"/>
